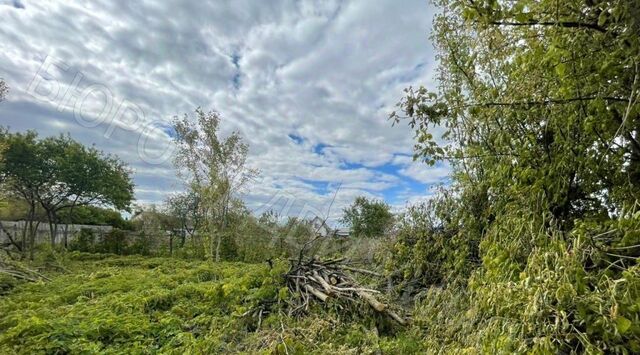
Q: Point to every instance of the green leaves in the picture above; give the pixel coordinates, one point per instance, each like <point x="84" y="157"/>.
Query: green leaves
<point x="215" y="170"/>
<point x="368" y="218"/>
<point x="133" y="304"/>
<point x="536" y="112"/>
<point x="59" y="172"/>
<point x="623" y="324"/>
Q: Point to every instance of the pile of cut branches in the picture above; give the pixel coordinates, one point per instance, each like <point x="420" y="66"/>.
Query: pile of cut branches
<point x="19" y="271"/>
<point x="315" y="280"/>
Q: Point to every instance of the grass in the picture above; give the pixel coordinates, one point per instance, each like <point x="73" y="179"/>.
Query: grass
<point x="137" y="305"/>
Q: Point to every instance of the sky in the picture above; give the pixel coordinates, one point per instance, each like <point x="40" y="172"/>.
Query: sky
<point x="308" y="84"/>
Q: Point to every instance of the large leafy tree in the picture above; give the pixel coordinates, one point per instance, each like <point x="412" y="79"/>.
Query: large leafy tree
<point x="214" y="168"/>
<point x="367" y="218"/>
<point x="59" y="173"/>
<point x="538" y="111"/>
<point x="538" y="99"/>
<point x="81" y="176"/>
<point x="23" y="176"/>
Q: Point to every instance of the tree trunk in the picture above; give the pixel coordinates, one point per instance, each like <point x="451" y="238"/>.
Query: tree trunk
<point x="183" y="237"/>
<point x="212" y="234"/>
<point x="32" y="238"/>
<point x="24" y="240"/>
<point x="218" y="242"/>
<point x="31" y="231"/>
<point x="224" y="227"/>
<point x="171" y="244"/>
<point x="52" y="229"/>
<point x="66" y="227"/>
<point x="64" y="234"/>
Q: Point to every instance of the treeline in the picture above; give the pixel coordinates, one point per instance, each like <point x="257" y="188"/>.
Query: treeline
<point x="58" y="181"/>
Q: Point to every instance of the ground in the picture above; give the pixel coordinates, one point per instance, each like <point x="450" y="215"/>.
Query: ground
<point x="137" y="305"/>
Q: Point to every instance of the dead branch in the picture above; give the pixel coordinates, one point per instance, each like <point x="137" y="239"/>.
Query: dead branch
<point x="16" y="270"/>
<point x="325" y="280"/>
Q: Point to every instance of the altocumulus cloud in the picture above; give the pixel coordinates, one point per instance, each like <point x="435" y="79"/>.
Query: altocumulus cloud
<point x="309" y="84"/>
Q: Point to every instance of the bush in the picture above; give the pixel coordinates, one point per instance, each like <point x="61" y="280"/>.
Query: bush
<point x="84" y="241"/>
<point x="429" y="247"/>
<point x="113" y="242"/>
<point x="143" y="244"/>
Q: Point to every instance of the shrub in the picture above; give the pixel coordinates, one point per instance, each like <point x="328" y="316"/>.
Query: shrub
<point x="114" y="242"/>
<point x="84" y="241"/>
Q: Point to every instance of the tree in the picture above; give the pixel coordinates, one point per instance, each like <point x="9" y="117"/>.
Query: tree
<point x="24" y="176"/>
<point x="540" y="98"/>
<point x="81" y="176"/>
<point x="5" y="199"/>
<point x="185" y="207"/>
<point x="538" y="112"/>
<point x="214" y="169"/>
<point x="368" y="218"/>
<point x="59" y="173"/>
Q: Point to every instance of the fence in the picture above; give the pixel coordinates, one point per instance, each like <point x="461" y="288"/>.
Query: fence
<point x="43" y="234"/>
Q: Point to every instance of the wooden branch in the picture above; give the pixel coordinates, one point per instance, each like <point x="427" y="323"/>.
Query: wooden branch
<point x="528" y="104"/>
<point x="355" y="289"/>
<point x="565" y="24"/>
<point x="11" y="240"/>
<point x="396" y="317"/>
<point x="322" y="282"/>
<point x="372" y="301"/>
<point x="329" y="279"/>
<point x="323" y="297"/>
<point x="361" y="271"/>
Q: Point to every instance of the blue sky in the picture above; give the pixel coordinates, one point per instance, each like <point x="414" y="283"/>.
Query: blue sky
<point x="308" y="84"/>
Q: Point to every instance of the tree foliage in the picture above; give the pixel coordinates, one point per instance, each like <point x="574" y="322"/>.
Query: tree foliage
<point x="367" y="218"/>
<point x="80" y="176"/>
<point x="537" y="99"/>
<point x="215" y="170"/>
<point x="58" y="173"/>
<point x="185" y="208"/>
<point x="94" y="215"/>
<point x="538" y="112"/>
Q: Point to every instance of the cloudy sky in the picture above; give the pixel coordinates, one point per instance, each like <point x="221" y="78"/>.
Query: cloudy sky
<point x="309" y="84"/>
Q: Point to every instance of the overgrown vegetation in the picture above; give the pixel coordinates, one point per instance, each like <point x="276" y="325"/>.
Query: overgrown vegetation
<point x="537" y="239"/>
<point x="139" y="305"/>
<point x="532" y="248"/>
<point x="368" y="218"/>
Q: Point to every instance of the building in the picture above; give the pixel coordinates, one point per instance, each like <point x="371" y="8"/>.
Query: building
<point x="322" y="229"/>
<point x="342" y="232"/>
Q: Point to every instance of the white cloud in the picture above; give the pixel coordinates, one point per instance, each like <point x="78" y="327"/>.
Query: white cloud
<point x="426" y="174"/>
<point x="327" y="71"/>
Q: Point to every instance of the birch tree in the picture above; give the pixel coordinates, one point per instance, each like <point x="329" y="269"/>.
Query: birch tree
<point x="214" y="169"/>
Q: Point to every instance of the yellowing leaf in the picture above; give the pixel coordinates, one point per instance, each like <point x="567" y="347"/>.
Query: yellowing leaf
<point x="623" y="324"/>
